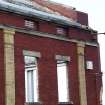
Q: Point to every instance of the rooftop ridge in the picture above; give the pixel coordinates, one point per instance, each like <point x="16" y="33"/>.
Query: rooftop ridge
<point x="64" y="10"/>
<point x="34" y="5"/>
<point x="64" y="5"/>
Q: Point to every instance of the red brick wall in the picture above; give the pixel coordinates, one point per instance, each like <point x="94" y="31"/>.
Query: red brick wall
<point x="79" y="34"/>
<point x="47" y="67"/>
<point x="56" y="7"/>
<point x="92" y="53"/>
<point x="2" y="75"/>
<point x="78" y="16"/>
<point x="18" y="21"/>
<point x="19" y="76"/>
<point x="47" y="63"/>
<point x="93" y="77"/>
<point x="8" y="18"/>
<point x="47" y="27"/>
<point x="82" y="18"/>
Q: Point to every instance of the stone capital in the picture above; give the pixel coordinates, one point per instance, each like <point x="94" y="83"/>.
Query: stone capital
<point x="9" y="36"/>
<point x="81" y="44"/>
<point x="9" y="31"/>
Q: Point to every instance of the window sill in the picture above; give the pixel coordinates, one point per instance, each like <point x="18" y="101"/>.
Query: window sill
<point x="38" y="103"/>
<point x="65" y="103"/>
<point x="33" y="103"/>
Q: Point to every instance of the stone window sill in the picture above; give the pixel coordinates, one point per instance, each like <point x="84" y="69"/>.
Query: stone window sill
<point x="65" y="103"/>
<point x="37" y="103"/>
<point x="33" y="103"/>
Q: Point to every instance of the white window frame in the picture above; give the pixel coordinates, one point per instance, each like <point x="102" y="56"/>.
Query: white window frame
<point x="36" y="55"/>
<point x="26" y="85"/>
<point x="63" y="60"/>
<point x="34" y="95"/>
<point x="89" y="65"/>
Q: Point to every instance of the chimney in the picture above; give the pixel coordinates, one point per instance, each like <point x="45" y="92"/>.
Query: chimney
<point x="82" y="18"/>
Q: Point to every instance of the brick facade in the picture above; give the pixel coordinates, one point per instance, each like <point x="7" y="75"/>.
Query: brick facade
<point x="79" y="43"/>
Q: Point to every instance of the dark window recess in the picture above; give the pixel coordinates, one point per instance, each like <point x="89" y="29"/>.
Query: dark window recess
<point x="31" y="24"/>
<point x="33" y="103"/>
<point x="62" y="31"/>
<point x="65" y="103"/>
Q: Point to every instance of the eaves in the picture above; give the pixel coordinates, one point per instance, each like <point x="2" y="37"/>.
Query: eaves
<point x="30" y="12"/>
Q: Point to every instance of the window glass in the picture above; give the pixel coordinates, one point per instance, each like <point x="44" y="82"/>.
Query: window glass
<point x="62" y="81"/>
<point x="31" y="79"/>
<point x="89" y="65"/>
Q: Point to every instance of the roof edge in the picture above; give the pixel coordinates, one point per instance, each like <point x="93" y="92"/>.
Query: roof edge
<point x="26" y="11"/>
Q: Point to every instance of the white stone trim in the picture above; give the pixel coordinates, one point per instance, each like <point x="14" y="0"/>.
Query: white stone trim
<point x="9" y="66"/>
<point x="31" y="53"/>
<point x="63" y="58"/>
<point x="81" y="73"/>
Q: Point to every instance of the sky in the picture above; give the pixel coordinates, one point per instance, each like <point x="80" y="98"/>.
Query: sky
<point x="96" y="15"/>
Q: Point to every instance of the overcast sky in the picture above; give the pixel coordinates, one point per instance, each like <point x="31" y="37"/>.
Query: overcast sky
<point x="96" y="13"/>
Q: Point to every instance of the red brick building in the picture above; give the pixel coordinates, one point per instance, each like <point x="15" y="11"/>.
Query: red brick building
<point x="48" y="55"/>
